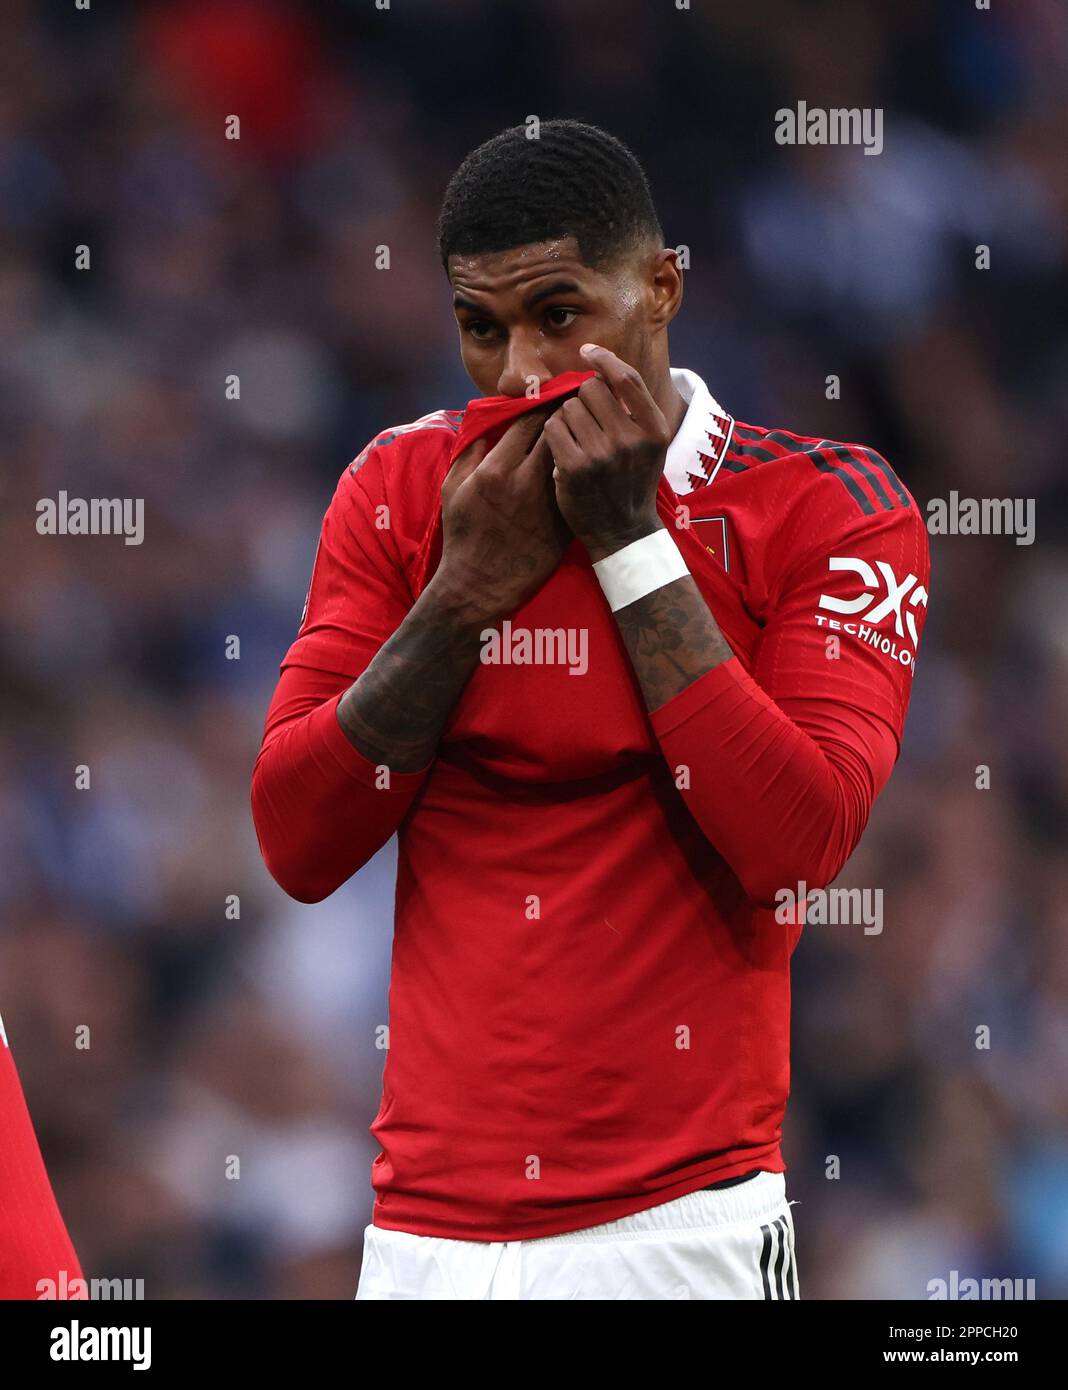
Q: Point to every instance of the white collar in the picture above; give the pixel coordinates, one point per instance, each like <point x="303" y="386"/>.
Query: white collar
<point x="702" y="439"/>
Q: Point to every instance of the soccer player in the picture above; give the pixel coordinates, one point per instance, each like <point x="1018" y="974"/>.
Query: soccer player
<point x="624" y="674"/>
<point x="36" y="1256"/>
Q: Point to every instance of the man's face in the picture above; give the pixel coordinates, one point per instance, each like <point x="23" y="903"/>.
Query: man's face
<point x="523" y="314"/>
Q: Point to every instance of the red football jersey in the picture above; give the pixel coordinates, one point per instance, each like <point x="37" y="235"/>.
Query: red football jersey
<point x="34" y="1244"/>
<point x="589" y="1001"/>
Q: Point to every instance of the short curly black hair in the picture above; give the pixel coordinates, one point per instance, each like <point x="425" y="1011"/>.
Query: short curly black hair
<point x="572" y="180"/>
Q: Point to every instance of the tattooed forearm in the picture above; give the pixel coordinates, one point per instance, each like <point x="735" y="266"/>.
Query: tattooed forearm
<point x="395" y="713"/>
<point x="672" y="639"/>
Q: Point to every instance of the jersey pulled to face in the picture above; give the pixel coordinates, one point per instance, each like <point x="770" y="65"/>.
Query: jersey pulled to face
<point x="589" y="1006"/>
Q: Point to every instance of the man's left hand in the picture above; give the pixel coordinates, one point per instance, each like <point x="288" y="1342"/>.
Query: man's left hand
<point x="608" y="444"/>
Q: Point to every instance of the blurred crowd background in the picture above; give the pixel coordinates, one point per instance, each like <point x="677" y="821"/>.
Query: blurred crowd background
<point x="257" y="1037"/>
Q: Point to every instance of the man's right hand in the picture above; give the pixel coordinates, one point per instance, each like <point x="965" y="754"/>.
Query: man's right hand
<point x="503" y="535"/>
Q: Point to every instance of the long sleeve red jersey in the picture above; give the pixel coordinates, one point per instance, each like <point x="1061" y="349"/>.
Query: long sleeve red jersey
<point x="34" y="1244"/>
<point x="589" y="1002"/>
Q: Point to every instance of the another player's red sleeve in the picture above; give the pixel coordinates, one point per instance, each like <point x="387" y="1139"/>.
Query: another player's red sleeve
<point x="34" y="1244"/>
<point x="783" y="765"/>
<point x="320" y="808"/>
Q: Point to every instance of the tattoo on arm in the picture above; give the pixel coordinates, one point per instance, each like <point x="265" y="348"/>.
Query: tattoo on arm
<point x="672" y="638"/>
<point x="395" y="712"/>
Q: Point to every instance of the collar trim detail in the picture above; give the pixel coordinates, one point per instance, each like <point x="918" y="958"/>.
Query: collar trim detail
<point x="701" y="442"/>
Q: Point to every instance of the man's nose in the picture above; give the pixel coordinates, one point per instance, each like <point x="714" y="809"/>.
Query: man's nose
<point x="522" y="367"/>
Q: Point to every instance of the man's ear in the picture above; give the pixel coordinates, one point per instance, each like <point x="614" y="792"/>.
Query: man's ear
<point x="665" y="286"/>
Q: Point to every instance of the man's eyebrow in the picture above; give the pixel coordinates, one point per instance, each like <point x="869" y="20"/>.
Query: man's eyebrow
<point x="557" y="287"/>
<point x="546" y="292"/>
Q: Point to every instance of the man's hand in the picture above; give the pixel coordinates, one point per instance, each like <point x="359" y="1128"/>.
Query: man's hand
<point x="503" y="535"/>
<point x="608" y="444"/>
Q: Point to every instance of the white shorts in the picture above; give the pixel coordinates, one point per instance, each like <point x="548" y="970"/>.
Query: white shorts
<point x="737" y="1242"/>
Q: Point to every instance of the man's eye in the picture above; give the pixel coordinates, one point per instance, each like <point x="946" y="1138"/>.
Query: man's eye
<point x="480" y="329"/>
<point x="559" y="317"/>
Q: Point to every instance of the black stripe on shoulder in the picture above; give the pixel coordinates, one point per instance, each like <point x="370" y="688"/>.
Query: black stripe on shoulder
<point x="860" y="457"/>
<point x="753" y="451"/>
<point x="840" y="451"/>
<point x="896" y="485"/>
<point x="847" y="480"/>
<point x="849" y="463"/>
<point x="753" y="443"/>
<point x="448" y="420"/>
<point x="814" y="450"/>
<point x="745" y="444"/>
<point x="792" y="443"/>
<point x="386" y="437"/>
<point x="817" y="450"/>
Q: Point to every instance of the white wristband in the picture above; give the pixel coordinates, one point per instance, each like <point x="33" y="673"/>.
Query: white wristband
<point x="639" y="568"/>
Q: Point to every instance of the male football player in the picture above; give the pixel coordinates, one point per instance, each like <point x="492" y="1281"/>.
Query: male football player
<point x="36" y="1256"/>
<point x="624" y="674"/>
